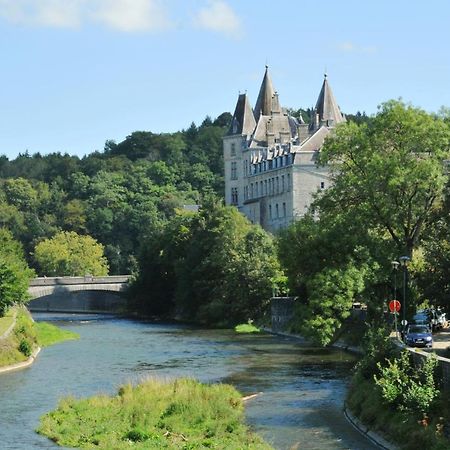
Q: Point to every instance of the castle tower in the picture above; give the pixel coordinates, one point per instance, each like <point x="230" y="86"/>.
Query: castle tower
<point x="236" y="168"/>
<point x="264" y="101"/>
<point x="327" y="112"/>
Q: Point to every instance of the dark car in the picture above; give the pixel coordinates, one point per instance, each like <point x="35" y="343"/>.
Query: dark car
<point x="419" y="336"/>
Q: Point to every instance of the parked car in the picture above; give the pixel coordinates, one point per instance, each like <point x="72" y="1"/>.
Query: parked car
<point x="419" y="336"/>
<point x="422" y="317"/>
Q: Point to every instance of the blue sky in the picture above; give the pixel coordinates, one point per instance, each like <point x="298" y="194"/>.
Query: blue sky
<point x="75" y="73"/>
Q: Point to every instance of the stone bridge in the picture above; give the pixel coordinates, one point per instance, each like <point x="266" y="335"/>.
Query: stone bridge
<point x="86" y="294"/>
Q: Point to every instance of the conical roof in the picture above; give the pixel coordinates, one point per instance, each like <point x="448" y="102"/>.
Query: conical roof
<point x="266" y="92"/>
<point x="327" y="107"/>
<point x="243" y="119"/>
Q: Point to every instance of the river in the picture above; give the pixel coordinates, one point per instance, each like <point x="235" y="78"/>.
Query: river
<point x="302" y="388"/>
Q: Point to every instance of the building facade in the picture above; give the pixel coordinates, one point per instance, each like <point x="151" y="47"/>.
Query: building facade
<point x="270" y="157"/>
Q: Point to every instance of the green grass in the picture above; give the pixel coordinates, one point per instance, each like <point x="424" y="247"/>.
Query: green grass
<point x="246" y="328"/>
<point x="23" y="336"/>
<point x="401" y="428"/>
<point x="179" y="415"/>
<point x="6" y="321"/>
<point x="27" y="336"/>
<point x="48" y="334"/>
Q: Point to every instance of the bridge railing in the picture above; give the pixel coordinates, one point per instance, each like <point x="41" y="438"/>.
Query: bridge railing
<point x="88" y="279"/>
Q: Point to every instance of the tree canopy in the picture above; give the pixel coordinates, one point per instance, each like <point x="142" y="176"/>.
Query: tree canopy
<point x="69" y="254"/>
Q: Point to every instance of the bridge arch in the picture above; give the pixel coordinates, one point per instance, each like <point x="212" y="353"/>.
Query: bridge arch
<point x="79" y="294"/>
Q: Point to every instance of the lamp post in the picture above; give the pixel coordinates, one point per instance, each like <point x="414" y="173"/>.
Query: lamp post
<point x="395" y="265"/>
<point x="404" y="263"/>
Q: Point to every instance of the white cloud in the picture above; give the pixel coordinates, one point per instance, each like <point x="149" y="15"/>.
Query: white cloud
<point x="218" y="16"/>
<point x="350" y="47"/>
<point x="132" y="15"/>
<point x="122" y="15"/>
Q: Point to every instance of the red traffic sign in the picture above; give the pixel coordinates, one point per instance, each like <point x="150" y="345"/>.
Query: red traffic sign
<point x="394" y="306"/>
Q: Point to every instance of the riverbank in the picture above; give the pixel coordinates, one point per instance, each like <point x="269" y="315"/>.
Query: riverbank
<point x="369" y="432"/>
<point x="23" y="338"/>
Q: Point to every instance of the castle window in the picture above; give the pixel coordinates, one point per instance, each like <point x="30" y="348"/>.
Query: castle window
<point x="281" y="161"/>
<point x="270" y="211"/>
<point x="234" y="196"/>
<point x="234" y="170"/>
<point x="270" y="164"/>
<point x="265" y="187"/>
<point x="233" y="149"/>
<point x="261" y="188"/>
<point x="288" y="181"/>
<point x="256" y="186"/>
<point x="282" y="183"/>
<point x="246" y="193"/>
<point x="278" y="185"/>
<point x="245" y="168"/>
<point x="277" y="212"/>
<point x="251" y="190"/>
<point x="284" y="209"/>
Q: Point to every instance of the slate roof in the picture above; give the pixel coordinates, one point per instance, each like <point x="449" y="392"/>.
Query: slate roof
<point x="264" y="101"/>
<point x="327" y="107"/>
<point x="243" y="121"/>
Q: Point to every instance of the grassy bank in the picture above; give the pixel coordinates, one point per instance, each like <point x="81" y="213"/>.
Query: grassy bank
<point x="19" y="345"/>
<point x="26" y="336"/>
<point x="409" y="431"/>
<point x="181" y="414"/>
<point x="246" y="328"/>
<point x="48" y="334"/>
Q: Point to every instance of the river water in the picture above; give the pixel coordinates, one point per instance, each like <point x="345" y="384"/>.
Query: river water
<point x="302" y="388"/>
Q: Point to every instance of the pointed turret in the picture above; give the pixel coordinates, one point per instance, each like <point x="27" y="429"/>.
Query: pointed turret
<point x="327" y="110"/>
<point x="263" y="105"/>
<point x="243" y="119"/>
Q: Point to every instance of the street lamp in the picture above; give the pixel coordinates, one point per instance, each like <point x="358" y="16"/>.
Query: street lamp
<point x="404" y="260"/>
<point x="395" y="265"/>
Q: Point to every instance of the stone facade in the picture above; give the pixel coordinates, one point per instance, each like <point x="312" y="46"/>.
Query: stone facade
<point x="270" y="157"/>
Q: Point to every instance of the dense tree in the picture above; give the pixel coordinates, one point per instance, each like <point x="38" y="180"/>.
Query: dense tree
<point x="14" y="272"/>
<point x="69" y="254"/>
<point x="388" y="183"/>
<point x="214" y="266"/>
<point x="390" y="170"/>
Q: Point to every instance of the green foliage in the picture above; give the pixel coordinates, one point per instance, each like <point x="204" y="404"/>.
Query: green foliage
<point x="14" y="272"/>
<point x="49" y="334"/>
<point x="246" y="328"/>
<point x="407" y="387"/>
<point x="391" y="170"/>
<point x="25" y="348"/>
<point x="69" y="254"/>
<point x="213" y="266"/>
<point x="182" y="414"/>
<point x="410" y="431"/>
<point x="19" y="344"/>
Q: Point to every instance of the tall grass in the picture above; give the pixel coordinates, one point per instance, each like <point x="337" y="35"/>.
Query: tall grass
<point x="181" y="414"/>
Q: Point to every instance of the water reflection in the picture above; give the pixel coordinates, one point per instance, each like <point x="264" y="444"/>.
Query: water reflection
<point x="302" y="387"/>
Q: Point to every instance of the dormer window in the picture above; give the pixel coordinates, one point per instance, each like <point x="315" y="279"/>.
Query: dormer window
<point x="233" y="149"/>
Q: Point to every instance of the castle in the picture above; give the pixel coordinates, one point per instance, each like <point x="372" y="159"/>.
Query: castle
<point x="270" y="157"/>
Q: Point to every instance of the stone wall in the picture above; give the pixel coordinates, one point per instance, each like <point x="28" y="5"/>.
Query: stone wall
<point x="282" y="310"/>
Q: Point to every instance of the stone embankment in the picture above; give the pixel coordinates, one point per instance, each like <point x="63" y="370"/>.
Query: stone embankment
<point x="23" y="364"/>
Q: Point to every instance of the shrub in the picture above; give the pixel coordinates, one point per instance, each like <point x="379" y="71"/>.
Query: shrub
<point x="25" y="347"/>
